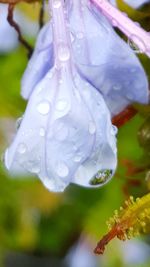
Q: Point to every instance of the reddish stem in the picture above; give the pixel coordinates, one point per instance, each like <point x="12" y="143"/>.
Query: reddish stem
<point x="128" y="113"/>
<point x="16" y="27"/>
<point x="115" y="231"/>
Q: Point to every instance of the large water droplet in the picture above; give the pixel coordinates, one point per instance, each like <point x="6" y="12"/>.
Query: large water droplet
<point x="43" y="107"/>
<point x="62" y="170"/>
<point x="22" y="148"/>
<point x="101" y="177"/>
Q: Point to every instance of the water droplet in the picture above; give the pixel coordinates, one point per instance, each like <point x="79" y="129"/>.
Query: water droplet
<point x="133" y="46"/>
<point x="114" y="22"/>
<point x="80" y="35"/>
<point x="139" y="42"/>
<point x="63" y="52"/>
<point x="60" y="81"/>
<point x="133" y="70"/>
<point x="18" y="122"/>
<point x="35" y="169"/>
<point x="72" y="37"/>
<point x="62" y="170"/>
<point x="117" y="87"/>
<point x="101" y="177"/>
<point x="61" y="104"/>
<point x="42" y="131"/>
<point x="43" y="107"/>
<point x="56" y="3"/>
<point x="22" y="148"/>
<point x="92" y="127"/>
<point x="77" y="158"/>
<point x="113" y="130"/>
<point x="136" y="44"/>
<point x="50" y="74"/>
<point x="129" y="96"/>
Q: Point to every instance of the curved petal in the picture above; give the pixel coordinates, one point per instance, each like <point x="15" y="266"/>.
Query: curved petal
<point x="101" y="57"/>
<point x="40" y="62"/>
<point x="105" y="60"/>
<point x="59" y="134"/>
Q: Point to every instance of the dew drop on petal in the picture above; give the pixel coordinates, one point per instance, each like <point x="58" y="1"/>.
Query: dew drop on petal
<point x="114" y="22"/>
<point x="34" y="169"/>
<point x="63" y="53"/>
<point x="43" y="107"/>
<point x="92" y="127"/>
<point x="61" y="104"/>
<point x="139" y="42"/>
<point x="80" y="35"/>
<point x="113" y="130"/>
<point x="62" y="170"/>
<point x="77" y="158"/>
<point x="42" y="131"/>
<point x="18" y="122"/>
<point x="22" y="148"/>
<point x="56" y="3"/>
<point x="117" y="87"/>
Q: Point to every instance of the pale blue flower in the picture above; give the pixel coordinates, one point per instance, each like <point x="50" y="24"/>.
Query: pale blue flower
<point x="66" y="135"/>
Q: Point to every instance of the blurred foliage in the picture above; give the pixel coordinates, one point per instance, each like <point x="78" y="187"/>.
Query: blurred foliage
<point x="37" y="221"/>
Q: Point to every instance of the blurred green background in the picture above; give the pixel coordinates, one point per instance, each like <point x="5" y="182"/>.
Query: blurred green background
<point x="39" y="228"/>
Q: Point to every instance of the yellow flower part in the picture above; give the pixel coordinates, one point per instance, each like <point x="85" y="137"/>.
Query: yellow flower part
<point x="131" y="220"/>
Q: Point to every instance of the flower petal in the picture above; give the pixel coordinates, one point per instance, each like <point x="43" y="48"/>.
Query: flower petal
<point x="40" y="62"/>
<point x="101" y="57"/>
<point x="60" y="132"/>
<point x="105" y="60"/>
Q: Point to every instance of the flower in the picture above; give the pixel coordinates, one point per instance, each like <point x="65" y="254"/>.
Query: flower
<point x="66" y="135"/>
<point x="100" y="55"/>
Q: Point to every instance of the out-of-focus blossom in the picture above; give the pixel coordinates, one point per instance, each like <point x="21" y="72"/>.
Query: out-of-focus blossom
<point x="100" y="55"/>
<point x="81" y="255"/>
<point x="135" y="252"/>
<point x="8" y="35"/>
<point x="66" y="135"/>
